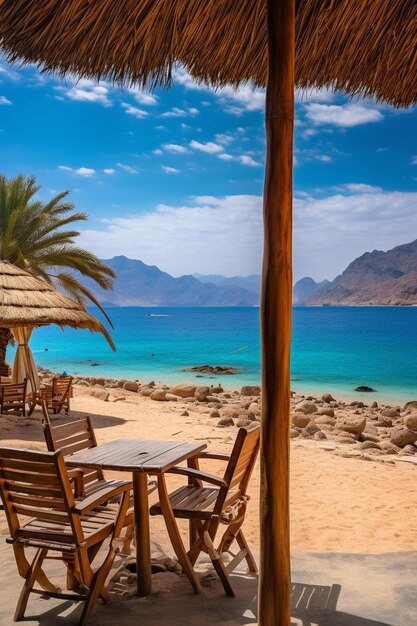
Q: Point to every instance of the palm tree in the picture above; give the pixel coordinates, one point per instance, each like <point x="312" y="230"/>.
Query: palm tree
<point x="33" y="236"/>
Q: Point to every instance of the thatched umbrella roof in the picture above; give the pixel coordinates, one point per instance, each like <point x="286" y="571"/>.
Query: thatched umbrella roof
<point x="364" y="47"/>
<point x="28" y="301"/>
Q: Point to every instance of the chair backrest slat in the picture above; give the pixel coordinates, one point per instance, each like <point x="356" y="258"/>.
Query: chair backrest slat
<point x="61" y="386"/>
<point x="243" y="458"/>
<point x="73" y="437"/>
<point x="36" y="485"/>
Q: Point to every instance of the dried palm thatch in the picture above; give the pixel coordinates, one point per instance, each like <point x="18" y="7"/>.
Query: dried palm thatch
<point x="364" y="47"/>
<point x="28" y="301"/>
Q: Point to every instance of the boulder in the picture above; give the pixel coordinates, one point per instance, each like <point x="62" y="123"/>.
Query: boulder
<point x="250" y="390"/>
<point x="201" y="393"/>
<point x="294" y="433"/>
<point x="364" y="389"/>
<point x="327" y="397"/>
<point x="411" y="405"/>
<point x="159" y="395"/>
<point x="326" y="410"/>
<point x="146" y="391"/>
<point x="325" y="419"/>
<point x="401" y="436"/>
<point x="214" y="399"/>
<point x="243" y="423"/>
<point x="411" y="421"/>
<point x="307" y="407"/>
<point x="171" y="397"/>
<point x="131" y="385"/>
<point x="225" y="421"/>
<point x="214" y="414"/>
<point x="390" y="412"/>
<point x="96" y="392"/>
<point x="312" y="429"/>
<point x="217" y="389"/>
<point x="300" y="420"/>
<point x="355" y="425"/>
<point x="184" y="390"/>
<point x="319" y="435"/>
<point x="369" y="445"/>
<point x="185" y="414"/>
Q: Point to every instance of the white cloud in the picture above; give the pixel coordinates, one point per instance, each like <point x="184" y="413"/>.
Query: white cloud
<point x="235" y="101"/>
<point x="135" y="111"/>
<point x="157" y="151"/>
<point x="174" y="148"/>
<point x="209" y="147"/>
<point x="109" y="171"/>
<point x="85" y="172"/>
<point x="314" y="95"/>
<point x="224" y="138"/>
<point x="176" y="112"/>
<point x="414" y="160"/>
<point x="128" y="168"/>
<point x="4" y="100"/>
<point x="170" y="170"/>
<point x="210" y="235"/>
<point x="8" y="73"/>
<point x="142" y="97"/>
<point x="345" y="115"/>
<point x="86" y="90"/>
<point x="224" y="156"/>
<point x="331" y="231"/>
<point x="361" y="188"/>
<point x="245" y="159"/>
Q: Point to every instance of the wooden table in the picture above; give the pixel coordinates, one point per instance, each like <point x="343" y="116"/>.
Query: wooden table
<point x="143" y="457"/>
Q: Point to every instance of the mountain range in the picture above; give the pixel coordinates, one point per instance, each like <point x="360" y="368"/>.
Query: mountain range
<point x="375" y="278"/>
<point x="138" y="284"/>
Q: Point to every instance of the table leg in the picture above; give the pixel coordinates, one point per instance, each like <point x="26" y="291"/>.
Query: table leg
<point x="142" y="534"/>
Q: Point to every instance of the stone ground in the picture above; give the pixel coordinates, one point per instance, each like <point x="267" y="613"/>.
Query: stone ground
<point x="376" y="590"/>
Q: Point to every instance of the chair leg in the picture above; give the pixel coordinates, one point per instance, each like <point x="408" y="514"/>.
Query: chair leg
<point x="218" y="565"/>
<point x="243" y="545"/>
<point x="31" y="577"/>
<point x="97" y="585"/>
<point x="128" y="538"/>
<point x="174" y="534"/>
<point x="192" y="533"/>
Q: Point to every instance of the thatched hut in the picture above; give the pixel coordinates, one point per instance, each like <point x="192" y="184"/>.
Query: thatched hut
<point x="27" y="302"/>
<point x="365" y="47"/>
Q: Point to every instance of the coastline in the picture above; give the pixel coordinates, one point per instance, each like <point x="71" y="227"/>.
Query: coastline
<point x="349" y="493"/>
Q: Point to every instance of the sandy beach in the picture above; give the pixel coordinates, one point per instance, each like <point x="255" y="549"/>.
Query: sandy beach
<point x="343" y="499"/>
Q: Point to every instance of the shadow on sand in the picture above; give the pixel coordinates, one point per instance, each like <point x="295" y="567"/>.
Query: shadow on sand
<point x="29" y="429"/>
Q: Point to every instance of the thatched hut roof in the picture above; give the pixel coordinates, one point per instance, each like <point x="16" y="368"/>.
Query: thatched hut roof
<point x="365" y="47"/>
<point x="28" y="301"/>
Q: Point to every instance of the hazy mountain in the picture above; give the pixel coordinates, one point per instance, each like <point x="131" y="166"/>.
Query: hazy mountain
<point x="305" y="288"/>
<point x="375" y="278"/>
<point x="252" y="282"/>
<point x="138" y="284"/>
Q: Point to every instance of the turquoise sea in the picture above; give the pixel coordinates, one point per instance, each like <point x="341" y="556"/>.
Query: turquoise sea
<point x="334" y="348"/>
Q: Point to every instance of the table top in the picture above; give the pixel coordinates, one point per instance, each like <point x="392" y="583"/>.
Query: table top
<point x="135" y="455"/>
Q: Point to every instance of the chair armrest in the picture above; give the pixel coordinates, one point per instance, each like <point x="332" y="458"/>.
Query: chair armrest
<point x="196" y="474"/>
<point x="221" y="456"/>
<point x="77" y="475"/>
<point x="101" y="496"/>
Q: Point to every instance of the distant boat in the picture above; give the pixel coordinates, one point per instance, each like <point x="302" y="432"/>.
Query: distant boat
<point x="156" y="315"/>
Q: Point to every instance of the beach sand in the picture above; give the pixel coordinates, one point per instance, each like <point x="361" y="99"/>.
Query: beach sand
<point x="338" y="504"/>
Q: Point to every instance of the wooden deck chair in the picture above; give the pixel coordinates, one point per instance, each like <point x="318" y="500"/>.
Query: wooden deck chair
<point x="36" y="486"/>
<point x="58" y="394"/>
<point x="13" y="398"/>
<point x="223" y="502"/>
<point x="79" y="435"/>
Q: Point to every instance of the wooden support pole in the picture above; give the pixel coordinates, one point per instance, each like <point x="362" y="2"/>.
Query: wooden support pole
<point x="275" y="575"/>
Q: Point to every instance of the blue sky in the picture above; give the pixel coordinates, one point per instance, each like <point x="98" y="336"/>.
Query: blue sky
<point x="175" y="178"/>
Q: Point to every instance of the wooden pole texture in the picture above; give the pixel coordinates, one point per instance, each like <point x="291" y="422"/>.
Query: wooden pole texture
<point x="275" y="574"/>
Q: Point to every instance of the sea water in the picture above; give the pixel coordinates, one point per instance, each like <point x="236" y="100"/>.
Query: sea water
<point x="334" y="349"/>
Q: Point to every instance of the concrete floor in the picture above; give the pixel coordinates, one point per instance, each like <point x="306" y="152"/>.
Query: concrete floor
<point x="376" y="590"/>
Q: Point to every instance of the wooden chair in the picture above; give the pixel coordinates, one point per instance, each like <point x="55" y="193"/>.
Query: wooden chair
<point x="13" y="398"/>
<point x="79" y="435"/>
<point x="223" y="502"/>
<point x="58" y="394"/>
<point x="36" y="486"/>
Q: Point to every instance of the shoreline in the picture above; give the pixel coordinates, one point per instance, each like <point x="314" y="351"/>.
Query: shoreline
<point x="350" y="492"/>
